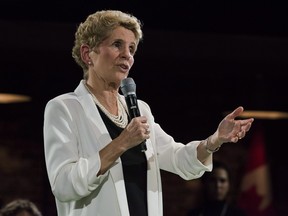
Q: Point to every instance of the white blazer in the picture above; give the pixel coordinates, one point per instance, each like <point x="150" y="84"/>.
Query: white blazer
<point x="74" y="133"/>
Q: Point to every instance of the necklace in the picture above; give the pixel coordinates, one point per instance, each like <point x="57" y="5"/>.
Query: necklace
<point x="121" y="120"/>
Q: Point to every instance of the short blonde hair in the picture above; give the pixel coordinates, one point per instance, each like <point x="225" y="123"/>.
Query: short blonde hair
<point x="98" y="26"/>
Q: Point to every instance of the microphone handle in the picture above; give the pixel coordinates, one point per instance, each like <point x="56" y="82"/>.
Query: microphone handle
<point x="132" y="105"/>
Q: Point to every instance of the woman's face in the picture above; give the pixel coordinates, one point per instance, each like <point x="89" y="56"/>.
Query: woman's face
<point x="114" y="57"/>
<point x="218" y="184"/>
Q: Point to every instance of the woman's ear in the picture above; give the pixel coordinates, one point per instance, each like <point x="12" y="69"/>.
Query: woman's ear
<point x="85" y="50"/>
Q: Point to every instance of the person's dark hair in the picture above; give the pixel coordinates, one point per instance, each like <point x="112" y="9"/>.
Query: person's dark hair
<point x="216" y="165"/>
<point x="18" y="206"/>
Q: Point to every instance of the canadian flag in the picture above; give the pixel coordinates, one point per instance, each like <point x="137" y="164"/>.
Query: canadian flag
<point x="256" y="196"/>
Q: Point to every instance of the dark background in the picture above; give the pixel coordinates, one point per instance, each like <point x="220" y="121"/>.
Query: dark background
<point x="198" y="59"/>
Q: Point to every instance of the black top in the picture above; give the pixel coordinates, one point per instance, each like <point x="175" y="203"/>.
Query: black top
<point x="135" y="172"/>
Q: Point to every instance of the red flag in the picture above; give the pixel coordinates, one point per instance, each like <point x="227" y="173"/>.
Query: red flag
<point x="256" y="195"/>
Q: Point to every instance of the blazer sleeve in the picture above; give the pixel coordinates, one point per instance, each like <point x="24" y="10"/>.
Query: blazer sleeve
<point x="71" y="176"/>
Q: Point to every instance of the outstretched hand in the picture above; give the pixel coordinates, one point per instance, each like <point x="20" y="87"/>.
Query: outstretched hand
<point x="230" y="129"/>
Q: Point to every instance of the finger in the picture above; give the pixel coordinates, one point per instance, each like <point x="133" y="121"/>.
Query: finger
<point x="246" y="121"/>
<point x="235" y="139"/>
<point x="241" y="135"/>
<point x="147" y="131"/>
<point x="235" y="113"/>
<point x="146" y="128"/>
<point x="247" y="127"/>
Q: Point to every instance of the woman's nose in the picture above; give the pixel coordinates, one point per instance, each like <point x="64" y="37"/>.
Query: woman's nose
<point x="126" y="53"/>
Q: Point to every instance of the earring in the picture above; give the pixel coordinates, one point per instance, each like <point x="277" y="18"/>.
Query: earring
<point x="89" y="62"/>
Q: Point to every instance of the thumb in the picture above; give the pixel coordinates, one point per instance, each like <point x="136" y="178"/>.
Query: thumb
<point x="235" y="113"/>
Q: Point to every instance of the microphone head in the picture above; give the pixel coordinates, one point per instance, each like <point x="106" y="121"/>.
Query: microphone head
<point x="128" y="86"/>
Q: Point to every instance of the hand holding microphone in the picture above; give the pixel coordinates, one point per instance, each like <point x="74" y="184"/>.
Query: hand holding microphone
<point x="128" y="88"/>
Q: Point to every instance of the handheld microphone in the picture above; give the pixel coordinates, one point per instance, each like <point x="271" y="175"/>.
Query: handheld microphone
<point x="128" y="88"/>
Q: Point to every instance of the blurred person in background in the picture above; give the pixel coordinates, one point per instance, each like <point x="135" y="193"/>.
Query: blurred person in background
<point x="20" y="207"/>
<point x="217" y="200"/>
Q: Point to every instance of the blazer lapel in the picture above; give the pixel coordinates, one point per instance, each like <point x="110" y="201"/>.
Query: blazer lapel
<point x="116" y="172"/>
